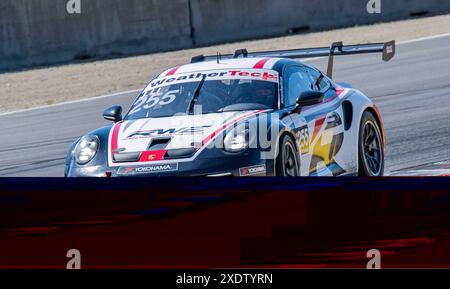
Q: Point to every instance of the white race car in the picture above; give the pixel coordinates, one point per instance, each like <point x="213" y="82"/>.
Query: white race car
<point x="245" y="114"/>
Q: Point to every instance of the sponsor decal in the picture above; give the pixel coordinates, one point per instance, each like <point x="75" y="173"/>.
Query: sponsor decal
<point x="147" y="169"/>
<point x="302" y="135"/>
<point x="155" y="155"/>
<point x="250" y="74"/>
<point x="167" y="132"/>
<point x="259" y="169"/>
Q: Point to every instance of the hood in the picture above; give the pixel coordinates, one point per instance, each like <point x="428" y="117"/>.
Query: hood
<point x="155" y="139"/>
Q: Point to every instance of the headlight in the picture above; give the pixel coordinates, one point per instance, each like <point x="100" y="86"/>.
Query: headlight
<point x="86" y="149"/>
<point x="236" y="141"/>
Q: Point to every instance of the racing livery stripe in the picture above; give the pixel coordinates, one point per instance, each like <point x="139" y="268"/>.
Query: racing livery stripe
<point x="225" y="126"/>
<point x="271" y="63"/>
<point x="339" y="90"/>
<point x="159" y="155"/>
<point x="114" y="137"/>
<point x="172" y="71"/>
<point x="377" y="111"/>
<point x="261" y="63"/>
<point x="318" y="124"/>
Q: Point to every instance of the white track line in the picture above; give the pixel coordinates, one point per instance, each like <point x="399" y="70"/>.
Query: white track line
<point x="138" y="90"/>
<point x="425" y="38"/>
<point x="397" y="43"/>
<point x="71" y="102"/>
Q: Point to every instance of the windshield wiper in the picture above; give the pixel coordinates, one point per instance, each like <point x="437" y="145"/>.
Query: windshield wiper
<point x="196" y="95"/>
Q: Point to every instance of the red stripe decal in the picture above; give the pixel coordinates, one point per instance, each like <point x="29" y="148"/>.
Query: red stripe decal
<point x="115" y="136"/>
<point x="150" y="156"/>
<point x="339" y="90"/>
<point x="223" y="127"/>
<point x="317" y="126"/>
<point x="172" y="71"/>
<point x="377" y="111"/>
<point x="261" y="63"/>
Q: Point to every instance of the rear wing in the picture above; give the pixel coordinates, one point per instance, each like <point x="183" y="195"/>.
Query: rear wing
<point x="337" y="48"/>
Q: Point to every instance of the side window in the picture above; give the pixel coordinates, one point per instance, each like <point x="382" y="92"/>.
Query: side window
<point x="297" y="80"/>
<point x="319" y="84"/>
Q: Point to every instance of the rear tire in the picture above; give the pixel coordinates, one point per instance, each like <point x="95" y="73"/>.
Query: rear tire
<point x="370" y="147"/>
<point x="287" y="161"/>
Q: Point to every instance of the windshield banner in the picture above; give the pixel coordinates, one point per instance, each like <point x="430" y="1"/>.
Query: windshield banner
<point x="229" y="74"/>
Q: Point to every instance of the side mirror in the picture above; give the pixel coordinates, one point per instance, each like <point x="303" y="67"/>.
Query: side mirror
<point x="310" y="98"/>
<point x="114" y="113"/>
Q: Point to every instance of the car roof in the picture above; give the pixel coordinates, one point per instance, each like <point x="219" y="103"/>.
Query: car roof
<point x="237" y="63"/>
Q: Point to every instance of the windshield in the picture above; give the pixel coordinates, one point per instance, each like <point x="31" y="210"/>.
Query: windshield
<point x="219" y="92"/>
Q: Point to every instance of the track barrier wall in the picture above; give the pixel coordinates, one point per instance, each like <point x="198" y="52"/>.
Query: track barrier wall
<point x="44" y="32"/>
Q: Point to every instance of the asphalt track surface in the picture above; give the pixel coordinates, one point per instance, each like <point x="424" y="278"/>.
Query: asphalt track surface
<point x="412" y="92"/>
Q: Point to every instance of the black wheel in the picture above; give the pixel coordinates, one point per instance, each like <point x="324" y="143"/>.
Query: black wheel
<point x="371" y="147"/>
<point x="287" y="162"/>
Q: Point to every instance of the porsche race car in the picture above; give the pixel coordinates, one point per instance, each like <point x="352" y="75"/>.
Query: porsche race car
<point x="242" y="114"/>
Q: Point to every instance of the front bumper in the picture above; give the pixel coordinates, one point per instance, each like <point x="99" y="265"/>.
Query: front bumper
<point x="248" y="163"/>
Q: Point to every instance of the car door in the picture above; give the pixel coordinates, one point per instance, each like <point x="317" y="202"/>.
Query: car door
<point x="317" y="127"/>
<point x="326" y="120"/>
<point x="296" y="81"/>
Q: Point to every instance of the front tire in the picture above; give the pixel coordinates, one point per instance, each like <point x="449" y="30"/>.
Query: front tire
<point x="370" y="147"/>
<point x="287" y="161"/>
